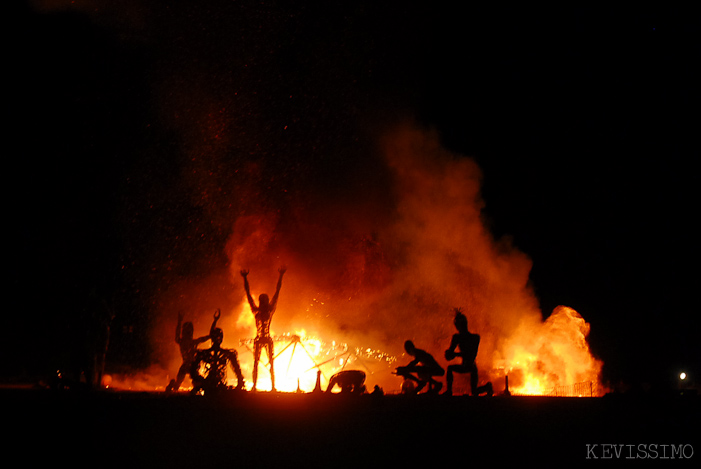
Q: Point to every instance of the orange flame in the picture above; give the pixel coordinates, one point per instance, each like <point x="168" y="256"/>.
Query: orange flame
<point x="541" y="358"/>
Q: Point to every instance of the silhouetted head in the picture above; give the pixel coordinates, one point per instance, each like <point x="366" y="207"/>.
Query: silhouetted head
<point x="409" y="347"/>
<point x="263" y="300"/>
<point x="188" y="330"/>
<point x="217" y="336"/>
<point x="460" y="321"/>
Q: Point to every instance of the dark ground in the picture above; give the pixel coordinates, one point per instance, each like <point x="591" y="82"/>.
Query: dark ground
<point x="117" y="429"/>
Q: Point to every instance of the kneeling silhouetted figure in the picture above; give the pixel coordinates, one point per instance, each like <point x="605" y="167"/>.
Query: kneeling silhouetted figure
<point x="421" y="369"/>
<point x="467" y="343"/>
<point x="350" y="382"/>
<point x="215" y="360"/>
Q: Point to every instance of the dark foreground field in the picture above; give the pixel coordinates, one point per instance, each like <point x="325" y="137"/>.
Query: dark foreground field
<point x="115" y="429"/>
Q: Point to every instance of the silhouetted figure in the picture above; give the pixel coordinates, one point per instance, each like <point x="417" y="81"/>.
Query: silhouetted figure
<point x="188" y="347"/>
<point x="215" y="360"/>
<point x="424" y="366"/>
<point x="350" y="382"/>
<point x="263" y="313"/>
<point x="467" y="343"/>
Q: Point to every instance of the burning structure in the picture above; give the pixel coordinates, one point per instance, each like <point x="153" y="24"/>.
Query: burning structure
<point x="373" y="269"/>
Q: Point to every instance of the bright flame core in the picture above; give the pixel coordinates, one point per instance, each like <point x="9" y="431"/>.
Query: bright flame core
<point x="299" y="357"/>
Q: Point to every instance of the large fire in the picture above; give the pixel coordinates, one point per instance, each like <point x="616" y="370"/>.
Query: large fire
<point x="303" y="362"/>
<point x="551" y="358"/>
<point x="373" y="268"/>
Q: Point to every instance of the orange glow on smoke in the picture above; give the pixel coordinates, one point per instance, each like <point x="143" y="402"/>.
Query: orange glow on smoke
<point x="543" y="357"/>
<point x="373" y="274"/>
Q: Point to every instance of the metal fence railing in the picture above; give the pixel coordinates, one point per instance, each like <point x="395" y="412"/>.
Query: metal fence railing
<point x="583" y="389"/>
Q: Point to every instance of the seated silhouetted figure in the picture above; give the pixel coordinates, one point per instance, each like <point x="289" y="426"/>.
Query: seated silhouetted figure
<point x="350" y="382"/>
<point x="215" y="360"/>
<point x="467" y="344"/>
<point x="421" y="369"/>
<point x="188" y="347"/>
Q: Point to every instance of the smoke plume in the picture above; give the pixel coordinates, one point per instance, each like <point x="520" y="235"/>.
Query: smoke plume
<point x="375" y="275"/>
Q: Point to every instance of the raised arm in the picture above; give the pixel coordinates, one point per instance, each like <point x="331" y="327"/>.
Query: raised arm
<point x="273" y="303"/>
<point x="244" y="274"/>
<point x="217" y="315"/>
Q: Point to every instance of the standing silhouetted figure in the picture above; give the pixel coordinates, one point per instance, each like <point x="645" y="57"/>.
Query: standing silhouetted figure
<point x="467" y="343"/>
<point x="188" y="347"/>
<point x="350" y="381"/>
<point x="215" y="360"/>
<point x="425" y="368"/>
<point x="263" y="313"/>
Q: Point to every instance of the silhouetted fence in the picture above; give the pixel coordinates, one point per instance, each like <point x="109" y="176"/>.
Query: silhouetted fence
<point x="583" y="389"/>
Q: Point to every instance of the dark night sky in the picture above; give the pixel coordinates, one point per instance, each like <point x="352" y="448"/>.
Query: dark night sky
<point x="582" y="120"/>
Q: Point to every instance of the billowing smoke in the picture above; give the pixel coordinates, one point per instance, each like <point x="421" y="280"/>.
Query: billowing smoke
<point x="375" y="276"/>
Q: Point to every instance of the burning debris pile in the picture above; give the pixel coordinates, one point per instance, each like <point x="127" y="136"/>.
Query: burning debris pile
<point x="379" y="265"/>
